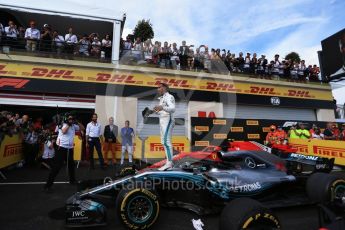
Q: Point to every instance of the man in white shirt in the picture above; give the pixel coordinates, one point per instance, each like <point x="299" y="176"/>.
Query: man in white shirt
<point x="58" y="42"/>
<point x="71" y="41"/>
<point x="32" y="35"/>
<point x="93" y="135"/>
<point x="166" y="109"/>
<point x="64" y="151"/>
<point x="11" y="33"/>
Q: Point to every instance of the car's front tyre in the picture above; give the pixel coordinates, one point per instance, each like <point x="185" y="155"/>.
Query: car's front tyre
<point x="137" y="208"/>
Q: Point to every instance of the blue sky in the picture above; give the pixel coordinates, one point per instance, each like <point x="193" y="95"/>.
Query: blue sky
<point x="262" y="26"/>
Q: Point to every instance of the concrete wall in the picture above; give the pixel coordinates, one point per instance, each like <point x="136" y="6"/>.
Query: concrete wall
<point x="121" y="108"/>
<point x="325" y="115"/>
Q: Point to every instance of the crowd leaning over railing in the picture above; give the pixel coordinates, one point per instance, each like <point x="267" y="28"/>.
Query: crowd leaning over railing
<point x="48" y="40"/>
<point x="184" y="57"/>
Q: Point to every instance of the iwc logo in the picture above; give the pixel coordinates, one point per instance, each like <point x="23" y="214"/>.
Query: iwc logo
<point x="275" y="100"/>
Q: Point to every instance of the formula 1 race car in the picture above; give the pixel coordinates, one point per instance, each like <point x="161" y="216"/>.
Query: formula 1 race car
<point x="242" y="185"/>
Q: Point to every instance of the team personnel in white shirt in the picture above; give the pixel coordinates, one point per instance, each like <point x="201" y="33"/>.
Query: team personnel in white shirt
<point x="93" y="135"/>
<point x="71" y="41"/>
<point x="64" y="151"/>
<point x="32" y="35"/>
<point x="166" y="109"/>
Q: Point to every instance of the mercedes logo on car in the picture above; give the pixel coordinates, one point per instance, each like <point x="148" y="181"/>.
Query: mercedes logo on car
<point x="275" y="100"/>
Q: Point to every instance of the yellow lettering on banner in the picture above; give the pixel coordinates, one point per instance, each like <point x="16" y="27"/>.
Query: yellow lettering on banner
<point x="236" y="129"/>
<point x="321" y="148"/>
<point x="155" y="150"/>
<point x="123" y="77"/>
<point x="201" y="128"/>
<point x="10" y="150"/>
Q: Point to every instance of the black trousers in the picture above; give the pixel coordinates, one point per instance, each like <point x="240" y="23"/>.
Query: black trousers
<point x="61" y="155"/>
<point x="30" y="153"/>
<point x="94" y="142"/>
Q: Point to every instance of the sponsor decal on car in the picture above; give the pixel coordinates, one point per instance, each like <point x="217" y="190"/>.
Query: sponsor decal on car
<point x="245" y="188"/>
<point x="305" y="157"/>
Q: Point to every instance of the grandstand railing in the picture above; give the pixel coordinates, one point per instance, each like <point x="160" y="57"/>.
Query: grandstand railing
<point x="48" y="49"/>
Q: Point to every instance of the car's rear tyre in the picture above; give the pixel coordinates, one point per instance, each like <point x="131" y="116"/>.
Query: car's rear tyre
<point x="326" y="188"/>
<point x="137" y="208"/>
<point x="246" y="213"/>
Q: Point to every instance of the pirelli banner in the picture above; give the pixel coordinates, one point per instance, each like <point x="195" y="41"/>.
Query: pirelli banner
<point x="118" y="82"/>
<point x="214" y="131"/>
<point x="321" y="148"/>
<point x="10" y="150"/>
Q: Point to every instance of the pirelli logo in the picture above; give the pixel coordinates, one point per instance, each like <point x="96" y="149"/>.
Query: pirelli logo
<point x="253" y="136"/>
<point x="220" y="136"/>
<point x="201" y="128"/>
<point x="252" y="122"/>
<point x="12" y="150"/>
<point x="201" y="143"/>
<point x="265" y="129"/>
<point x="236" y="129"/>
<point x="219" y="122"/>
<point x="300" y="148"/>
<point x="329" y="152"/>
<point x="158" y="147"/>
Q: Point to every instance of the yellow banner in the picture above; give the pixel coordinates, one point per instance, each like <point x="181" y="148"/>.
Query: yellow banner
<point x="10" y="150"/>
<point x="154" y="148"/>
<point x="121" y="77"/>
<point x="321" y="148"/>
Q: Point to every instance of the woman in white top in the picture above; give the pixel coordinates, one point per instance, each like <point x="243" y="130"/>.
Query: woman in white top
<point x="96" y="47"/>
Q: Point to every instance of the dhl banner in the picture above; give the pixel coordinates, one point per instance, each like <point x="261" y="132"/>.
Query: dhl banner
<point x="10" y="150"/>
<point x="155" y="150"/>
<point x="122" y="77"/>
<point x="321" y="148"/>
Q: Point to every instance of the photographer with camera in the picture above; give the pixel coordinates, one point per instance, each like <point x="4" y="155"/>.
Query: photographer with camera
<point x="64" y="151"/>
<point x="48" y="139"/>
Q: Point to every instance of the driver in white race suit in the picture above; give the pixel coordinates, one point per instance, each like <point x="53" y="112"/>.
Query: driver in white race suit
<point x="166" y="109"/>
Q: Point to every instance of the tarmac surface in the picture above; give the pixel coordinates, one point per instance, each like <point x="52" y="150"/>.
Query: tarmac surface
<point x="24" y="205"/>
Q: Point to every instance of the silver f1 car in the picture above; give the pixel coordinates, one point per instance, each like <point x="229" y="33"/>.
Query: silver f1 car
<point x="242" y="186"/>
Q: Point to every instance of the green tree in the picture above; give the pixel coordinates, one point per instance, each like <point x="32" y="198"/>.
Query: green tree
<point x="293" y="56"/>
<point x="143" y="30"/>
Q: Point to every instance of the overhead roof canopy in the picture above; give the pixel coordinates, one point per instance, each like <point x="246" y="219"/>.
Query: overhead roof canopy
<point x="81" y="22"/>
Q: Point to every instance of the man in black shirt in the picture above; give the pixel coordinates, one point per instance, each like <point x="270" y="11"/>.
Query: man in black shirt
<point x="110" y="134"/>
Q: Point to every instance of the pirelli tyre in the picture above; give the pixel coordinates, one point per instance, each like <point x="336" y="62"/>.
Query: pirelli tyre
<point x="137" y="208"/>
<point x="246" y="213"/>
<point x="326" y="189"/>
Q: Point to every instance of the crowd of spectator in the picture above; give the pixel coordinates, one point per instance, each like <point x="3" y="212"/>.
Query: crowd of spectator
<point x="277" y="135"/>
<point x="171" y="56"/>
<point x="184" y="57"/>
<point x="49" y="40"/>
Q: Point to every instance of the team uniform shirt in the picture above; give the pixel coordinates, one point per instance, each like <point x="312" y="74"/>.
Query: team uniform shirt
<point x="67" y="140"/>
<point x="106" y="43"/>
<point x="32" y="33"/>
<point x="48" y="153"/>
<point x="294" y="133"/>
<point x="272" y="137"/>
<point x="93" y="130"/>
<point x="31" y="138"/>
<point x="167" y="101"/>
<point x="305" y="132"/>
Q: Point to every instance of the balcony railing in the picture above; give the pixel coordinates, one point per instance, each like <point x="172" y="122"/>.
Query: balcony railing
<point x="94" y="53"/>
